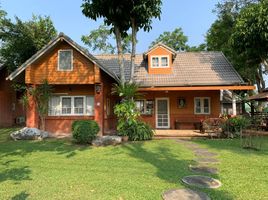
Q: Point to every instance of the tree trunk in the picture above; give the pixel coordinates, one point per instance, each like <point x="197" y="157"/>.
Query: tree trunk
<point x="118" y="38"/>
<point x="133" y="52"/>
<point x="259" y="79"/>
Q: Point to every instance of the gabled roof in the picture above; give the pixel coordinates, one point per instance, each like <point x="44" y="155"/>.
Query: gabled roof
<point x="160" y="44"/>
<point x="188" y="69"/>
<point x="51" y="44"/>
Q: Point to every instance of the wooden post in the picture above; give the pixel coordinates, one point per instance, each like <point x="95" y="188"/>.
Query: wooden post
<point x="234" y="103"/>
<point x="32" y="118"/>
<point x="99" y="107"/>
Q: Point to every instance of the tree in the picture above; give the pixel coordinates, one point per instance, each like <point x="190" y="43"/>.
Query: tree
<point x="175" y="40"/>
<point x="20" y="40"/>
<point x="218" y="38"/>
<point x="141" y="14"/>
<point x="115" y="15"/>
<point x="250" y="37"/>
<point x="100" y="39"/>
<point x="124" y="15"/>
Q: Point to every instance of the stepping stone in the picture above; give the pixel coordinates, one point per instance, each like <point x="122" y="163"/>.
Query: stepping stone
<point x="184" y="194"/>
<point x="201" y="181"/>
<point x="207" y="160"/>
<point x="205" y="154"/>
<point x="203" y="169"/>
<point x="192" y="146"/>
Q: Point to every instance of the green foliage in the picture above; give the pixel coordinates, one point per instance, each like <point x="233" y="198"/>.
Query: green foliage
<point x="126" y="90"/>
<point x="85" y="131"/>
<point x="236" y="124"/>
<point x="99" y="39"/>
<point x="140" y="131"/>
<point x="40" y="94"/>
<point x="20" y="40"/>
<point x="175" y="40"/>
<point x="127" y="115"/>
<point x="250" y="36"/>
<point x="219" y="38"/>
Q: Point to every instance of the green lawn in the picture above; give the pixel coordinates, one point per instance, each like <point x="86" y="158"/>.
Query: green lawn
<point x="57" y="169"/>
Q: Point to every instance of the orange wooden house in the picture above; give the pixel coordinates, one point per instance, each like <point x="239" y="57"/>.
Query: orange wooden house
<point x="11" y="111"/>
<point x="177" y="86"/>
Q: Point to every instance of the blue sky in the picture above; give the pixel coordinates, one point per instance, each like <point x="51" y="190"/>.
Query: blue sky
<point x="193" y="16"/>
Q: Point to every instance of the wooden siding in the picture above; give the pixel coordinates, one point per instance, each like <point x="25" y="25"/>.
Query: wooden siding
<point x="185" y="114"/>
<point x="160" y="51"/>
<point x="46" y="67"/>
<point x="10" y="107"/>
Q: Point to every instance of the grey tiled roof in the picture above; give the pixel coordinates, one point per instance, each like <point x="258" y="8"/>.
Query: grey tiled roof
<point x="189" y="68"/>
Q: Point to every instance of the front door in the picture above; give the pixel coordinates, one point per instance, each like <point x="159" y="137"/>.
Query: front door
<point x="162" y="113"/>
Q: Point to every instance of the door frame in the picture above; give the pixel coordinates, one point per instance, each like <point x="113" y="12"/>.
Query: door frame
<point x="156" y="112"/>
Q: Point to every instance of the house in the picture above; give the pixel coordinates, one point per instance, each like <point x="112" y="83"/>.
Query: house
<point x="11" y="111"/>
<point x="177" y="86"/>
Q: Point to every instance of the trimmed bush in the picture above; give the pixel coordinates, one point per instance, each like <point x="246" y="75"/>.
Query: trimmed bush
<point x="84" y="131"/>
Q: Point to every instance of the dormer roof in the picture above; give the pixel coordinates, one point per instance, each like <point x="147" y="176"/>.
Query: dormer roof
<point x="160" y="44"/>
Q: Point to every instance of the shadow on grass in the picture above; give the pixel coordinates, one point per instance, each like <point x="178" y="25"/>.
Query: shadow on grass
<point x="15" y="174"/>
<point x="170" y="168"/>
<point x="21" y="196"/>
<point x="234" y="145"/>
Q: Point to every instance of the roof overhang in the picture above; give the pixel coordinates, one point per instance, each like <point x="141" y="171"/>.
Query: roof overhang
<point x="51" y="44"/>
<point x="193" y="88"/>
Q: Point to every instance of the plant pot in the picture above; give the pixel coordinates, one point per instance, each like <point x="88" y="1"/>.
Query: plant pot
<point x="124" y="138"/>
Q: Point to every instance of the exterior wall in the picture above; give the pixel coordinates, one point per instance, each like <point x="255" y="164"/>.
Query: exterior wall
<point x="46" y="67"/>
<point x="10" y="108"/>
<point x="159" y="51"/>
<point x="186" y="114"/>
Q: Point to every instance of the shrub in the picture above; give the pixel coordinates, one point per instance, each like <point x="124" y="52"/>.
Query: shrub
<point x="84" y="131"/>
<point x="235" y="124"/>
<point x="137" y="131"/>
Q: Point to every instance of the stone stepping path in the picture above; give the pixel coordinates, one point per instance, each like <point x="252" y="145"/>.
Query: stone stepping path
<point x="205" y="154"/>
<point x="184" y="194"/>
<point x="201" y="181"/>
<point x="205" y="160"/>
<point x="204" y="157"/>
<point x="203" y="169"/>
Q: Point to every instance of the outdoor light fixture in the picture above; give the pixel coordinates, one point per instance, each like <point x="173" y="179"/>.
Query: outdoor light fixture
<point x="98" y="88"/>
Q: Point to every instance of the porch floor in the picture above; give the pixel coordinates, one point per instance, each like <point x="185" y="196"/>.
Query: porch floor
<point x="159" y="134"/>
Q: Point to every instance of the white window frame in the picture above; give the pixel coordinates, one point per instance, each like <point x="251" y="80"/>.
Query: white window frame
<point x="202" y="106"/>
<point x="160" y="61"/>
<point x="62" y="50"/>
<point x="144" y="107"/>
<point x="72" y="106"/>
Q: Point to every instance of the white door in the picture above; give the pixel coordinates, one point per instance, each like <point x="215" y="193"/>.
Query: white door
<point x="162" y="113"/>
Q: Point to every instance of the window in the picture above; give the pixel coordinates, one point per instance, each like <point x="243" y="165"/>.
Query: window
<point x="145" y="106"/>
<point x="71" y="105"/>
<point x="160" y="61"/>
<point x="65" y="60"/>
<point x="155" y="61"/>
<point x="202" y="105"/>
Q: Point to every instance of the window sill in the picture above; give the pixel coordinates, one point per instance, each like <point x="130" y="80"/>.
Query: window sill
<point x="76" y="117"/>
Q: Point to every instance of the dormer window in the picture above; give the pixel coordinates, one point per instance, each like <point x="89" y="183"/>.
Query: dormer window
<point x="65" y="60"/>
<point x="160" y="62"/>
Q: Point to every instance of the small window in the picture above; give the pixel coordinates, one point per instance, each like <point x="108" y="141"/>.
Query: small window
<point x="66" y="105"/>
<point x="160" y="61"/>
<point x="78" y="105"/>
<point x="65" y="60"/>
<point x="155" y="62"/>
<point x="145" y="106"/>
<point x="164" y="61"/>
<point x="202" y="105"/>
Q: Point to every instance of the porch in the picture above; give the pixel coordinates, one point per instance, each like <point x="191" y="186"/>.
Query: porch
<point x="171" y="133"/>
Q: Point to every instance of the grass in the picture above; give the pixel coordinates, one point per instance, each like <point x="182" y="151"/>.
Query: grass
<point x="58" y="169"/>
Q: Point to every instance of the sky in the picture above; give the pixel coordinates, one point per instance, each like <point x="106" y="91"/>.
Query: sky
<point x="193" y="16"/>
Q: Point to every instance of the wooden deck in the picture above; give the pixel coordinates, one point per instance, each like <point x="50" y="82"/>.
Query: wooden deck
<point x="162" y="134"/>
